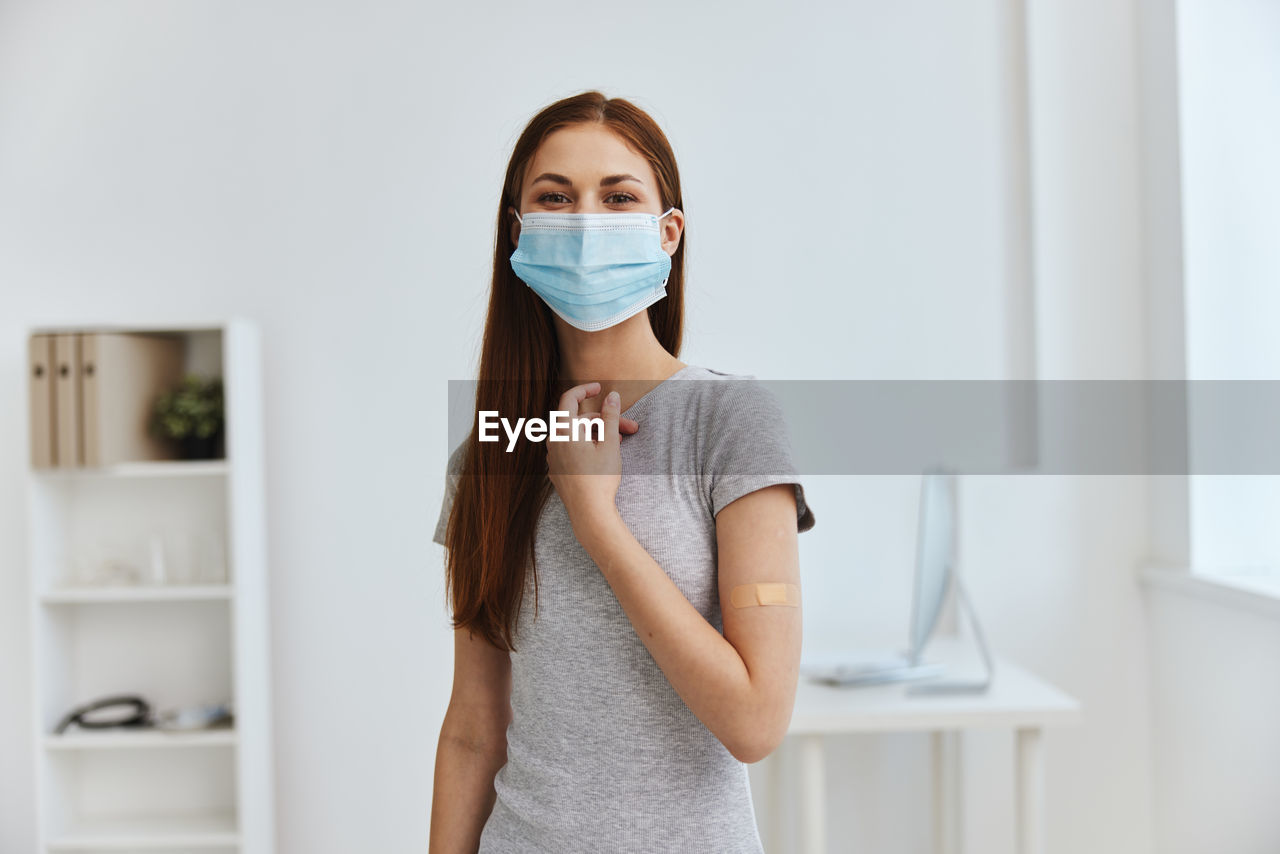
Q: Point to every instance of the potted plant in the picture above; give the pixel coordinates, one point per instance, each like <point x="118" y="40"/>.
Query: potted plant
<point x="191" y="416"/>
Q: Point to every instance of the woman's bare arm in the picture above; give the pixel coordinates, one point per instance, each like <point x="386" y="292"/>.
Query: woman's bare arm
<point x="741" y="684"/>
<point x="472" y="746"/>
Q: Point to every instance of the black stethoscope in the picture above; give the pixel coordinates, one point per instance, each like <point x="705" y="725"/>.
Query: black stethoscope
<point x="139" y="717"/>
<point x="199" y="717"/>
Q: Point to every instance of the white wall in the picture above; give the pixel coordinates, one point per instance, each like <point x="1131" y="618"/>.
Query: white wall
<point x="1215" y="739"/>
<point x="332" y="170"/>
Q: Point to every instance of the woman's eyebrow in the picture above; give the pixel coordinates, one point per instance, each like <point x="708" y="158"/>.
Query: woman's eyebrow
<point x="607" y="181"/>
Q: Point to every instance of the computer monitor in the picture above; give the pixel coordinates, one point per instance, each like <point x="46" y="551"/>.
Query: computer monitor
<point x="935" y="573"/>
<point x="935" y="557"/>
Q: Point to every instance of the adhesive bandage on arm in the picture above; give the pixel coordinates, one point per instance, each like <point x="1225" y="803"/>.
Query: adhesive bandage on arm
<point x="765" y="593"/>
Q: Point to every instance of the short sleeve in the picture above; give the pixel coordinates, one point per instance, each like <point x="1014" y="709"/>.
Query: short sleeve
<point x="748" y="447"/>
<point x="453" y="472"/>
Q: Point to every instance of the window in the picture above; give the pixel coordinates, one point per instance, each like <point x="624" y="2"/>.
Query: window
<point x="1223" y="79"/>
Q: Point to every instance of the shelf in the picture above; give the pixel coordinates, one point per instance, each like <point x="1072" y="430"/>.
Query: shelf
<point x="142" y="833"/>
<point x="108" y="740"/>
<point x="137" y="593"/>
<point x="147" y="576"/>
<point x="144" y="468"/>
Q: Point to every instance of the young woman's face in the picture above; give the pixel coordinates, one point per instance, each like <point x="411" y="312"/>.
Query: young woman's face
<point x="589" y="169"/>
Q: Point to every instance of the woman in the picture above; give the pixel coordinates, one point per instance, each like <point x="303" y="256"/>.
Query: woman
<point x="657" y="651"/>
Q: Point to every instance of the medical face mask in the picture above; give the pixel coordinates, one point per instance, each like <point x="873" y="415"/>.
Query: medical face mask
<point x="594" y="270"/>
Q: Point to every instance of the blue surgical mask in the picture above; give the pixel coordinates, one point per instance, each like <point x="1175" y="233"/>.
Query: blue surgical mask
<point x="593" y="269"/>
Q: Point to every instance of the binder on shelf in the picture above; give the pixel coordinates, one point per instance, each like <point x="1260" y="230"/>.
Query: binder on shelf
<point x="66" y="403"/>
<point x="121" y="376"/>
<point x="40" y="360"/>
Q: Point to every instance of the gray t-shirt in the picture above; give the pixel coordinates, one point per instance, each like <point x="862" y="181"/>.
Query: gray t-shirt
<point x="602" y="754"/>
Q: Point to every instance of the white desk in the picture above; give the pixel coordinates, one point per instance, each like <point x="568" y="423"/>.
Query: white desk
<point x="1016" y="699"/>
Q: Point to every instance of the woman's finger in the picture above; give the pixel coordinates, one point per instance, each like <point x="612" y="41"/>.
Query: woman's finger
<point x="570" y="399"/>
<point x="610" y="407"/>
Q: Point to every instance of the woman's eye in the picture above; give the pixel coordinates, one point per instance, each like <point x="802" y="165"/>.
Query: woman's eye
<point x="560" y="198"/>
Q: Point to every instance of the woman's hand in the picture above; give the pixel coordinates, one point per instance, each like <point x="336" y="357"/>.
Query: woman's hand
<point x="587" y="473"/>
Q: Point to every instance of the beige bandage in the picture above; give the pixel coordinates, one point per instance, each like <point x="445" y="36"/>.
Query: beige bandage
<point x="765" y="593"/>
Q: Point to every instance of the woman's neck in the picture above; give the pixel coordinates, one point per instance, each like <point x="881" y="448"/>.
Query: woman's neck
<point x="628" y="351"/>
<point x="626" y="357"/>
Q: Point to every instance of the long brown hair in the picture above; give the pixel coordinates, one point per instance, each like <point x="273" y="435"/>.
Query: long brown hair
<point x="500" y="495"/>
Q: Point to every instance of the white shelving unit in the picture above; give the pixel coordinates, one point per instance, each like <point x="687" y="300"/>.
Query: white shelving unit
<point x="200" y="635"/>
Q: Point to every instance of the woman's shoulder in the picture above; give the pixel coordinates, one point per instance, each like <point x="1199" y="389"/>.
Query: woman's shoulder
<point x="703" y="372"/>
<point x="457" y="457"/>
<point x="722" y="394"/>
<point x="717" y="384"/>
<point x="728" y="386"/>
